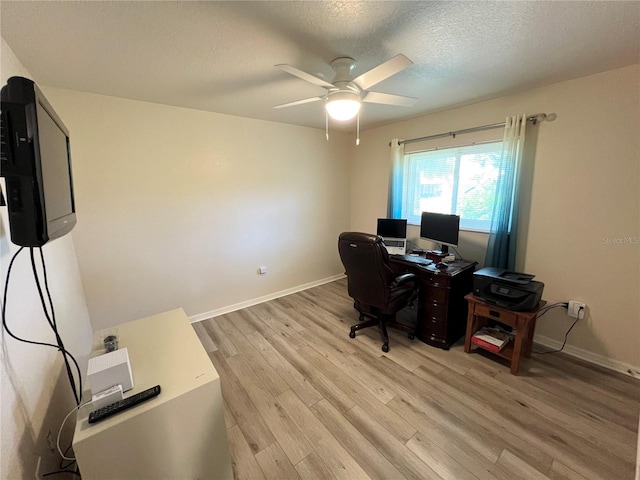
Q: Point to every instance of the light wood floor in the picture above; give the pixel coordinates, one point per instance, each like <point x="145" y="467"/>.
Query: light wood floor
<point x="303" y="400"/>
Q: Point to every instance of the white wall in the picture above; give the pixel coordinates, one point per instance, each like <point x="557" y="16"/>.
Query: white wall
<point x="179" y="207"/>
<point x="35" y="395"/>
<point x="584" y="222"/>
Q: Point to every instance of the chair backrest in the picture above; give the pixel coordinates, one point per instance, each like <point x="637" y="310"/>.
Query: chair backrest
<point x="365" y="260"/>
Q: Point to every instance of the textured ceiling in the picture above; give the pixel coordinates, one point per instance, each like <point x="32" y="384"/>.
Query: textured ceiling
<point x="220" y="56"/>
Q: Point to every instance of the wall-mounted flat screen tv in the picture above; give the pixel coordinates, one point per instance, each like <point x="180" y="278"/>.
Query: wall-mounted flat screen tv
<point x="36" y="163"/>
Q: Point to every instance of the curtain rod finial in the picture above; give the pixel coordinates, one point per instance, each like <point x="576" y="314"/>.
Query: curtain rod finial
<point x="538" y="118"/>
<point x="543" y="117"/>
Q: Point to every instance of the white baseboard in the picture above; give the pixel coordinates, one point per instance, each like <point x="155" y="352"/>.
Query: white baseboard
<point x="248" y="303"/>
<point x="590" y="357"/>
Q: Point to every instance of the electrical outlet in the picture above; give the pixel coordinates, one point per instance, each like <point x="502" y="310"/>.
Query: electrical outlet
<point x="262" y="270"/>
<point x="576" y="309"/>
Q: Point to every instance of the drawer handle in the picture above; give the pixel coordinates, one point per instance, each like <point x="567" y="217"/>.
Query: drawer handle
<point x="493" y="313"/>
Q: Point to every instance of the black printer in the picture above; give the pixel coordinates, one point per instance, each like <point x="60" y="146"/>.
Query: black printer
<point x="511" y="290"/>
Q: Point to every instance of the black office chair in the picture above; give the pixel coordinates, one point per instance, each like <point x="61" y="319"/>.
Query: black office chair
<point x="378" y="293"/>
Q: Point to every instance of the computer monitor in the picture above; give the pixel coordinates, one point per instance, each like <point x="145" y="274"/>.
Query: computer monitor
<point x="441" y="228"/>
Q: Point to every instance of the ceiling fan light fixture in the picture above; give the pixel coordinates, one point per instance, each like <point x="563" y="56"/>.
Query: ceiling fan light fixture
<point x="343" y="105"/>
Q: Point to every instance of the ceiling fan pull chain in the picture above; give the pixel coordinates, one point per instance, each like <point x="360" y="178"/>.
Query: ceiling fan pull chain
<point x="358" y="129"/>
<point x="326" y="123"/>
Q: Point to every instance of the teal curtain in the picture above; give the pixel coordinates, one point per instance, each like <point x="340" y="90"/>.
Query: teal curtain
<point x="394" y="203"/>
<point x="501" y="248"/>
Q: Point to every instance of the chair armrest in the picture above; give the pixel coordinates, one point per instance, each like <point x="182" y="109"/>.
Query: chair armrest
<point x="405" y="277"/>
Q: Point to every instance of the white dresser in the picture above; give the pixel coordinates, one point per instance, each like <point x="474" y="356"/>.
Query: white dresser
<point x="180" y="434"/>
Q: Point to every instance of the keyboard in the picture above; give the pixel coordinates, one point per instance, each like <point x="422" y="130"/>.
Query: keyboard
<point x="412" y="259"/>
<point x="394" y="243"/>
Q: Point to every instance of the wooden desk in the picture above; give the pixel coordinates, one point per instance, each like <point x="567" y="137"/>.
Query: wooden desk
<point x="441" y="305"/>
<point x="523" y="324"/>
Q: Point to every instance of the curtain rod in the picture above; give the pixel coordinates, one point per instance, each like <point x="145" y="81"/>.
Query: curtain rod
<point x="538" y="117"/>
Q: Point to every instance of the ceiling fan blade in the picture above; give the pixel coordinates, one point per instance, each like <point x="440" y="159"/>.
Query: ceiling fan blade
<point x="304" y="75"/>
<point x="382" y="71"/>
<point x="388" y="99"/>
<point x="299" y="102"/>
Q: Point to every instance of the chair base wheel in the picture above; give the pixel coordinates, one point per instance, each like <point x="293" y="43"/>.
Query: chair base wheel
<point x="385" y="347"/>
<point x="352" y="334"/>
<point x="412" y="336"/>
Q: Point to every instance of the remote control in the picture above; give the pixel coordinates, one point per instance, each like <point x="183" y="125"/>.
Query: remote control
<point x="120" y="405"/>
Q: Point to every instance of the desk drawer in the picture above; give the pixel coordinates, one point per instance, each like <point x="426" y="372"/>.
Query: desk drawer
<point x="436" y="294"/>
<point x="436" y="310"/>
<point x="495" y="314"/>
<point x="436" y="327"/>
<point x="436" y="280"/>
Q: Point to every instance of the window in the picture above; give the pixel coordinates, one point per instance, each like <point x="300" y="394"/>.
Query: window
<point x="459" y="180"/>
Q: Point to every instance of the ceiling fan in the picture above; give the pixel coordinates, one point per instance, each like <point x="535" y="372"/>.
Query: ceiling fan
<point x="345" y="95"/>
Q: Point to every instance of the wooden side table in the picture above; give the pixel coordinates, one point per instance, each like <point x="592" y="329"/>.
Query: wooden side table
<point x="523" y="324"/>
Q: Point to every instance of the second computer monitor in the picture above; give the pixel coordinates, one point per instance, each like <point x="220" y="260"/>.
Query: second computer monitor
<point x="440" y="228"/>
